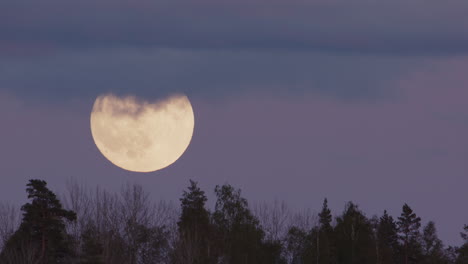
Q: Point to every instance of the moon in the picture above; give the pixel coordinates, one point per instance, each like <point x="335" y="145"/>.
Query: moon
<point x="142" y="136"/>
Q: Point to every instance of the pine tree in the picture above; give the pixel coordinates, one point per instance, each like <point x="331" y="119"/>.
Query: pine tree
<point x="408" y="228"/>
<point x="194" y="228"/>
<point x="42" y="226"/>
<point x="387" y="239"/>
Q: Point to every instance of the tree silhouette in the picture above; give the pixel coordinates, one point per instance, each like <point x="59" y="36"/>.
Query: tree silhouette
<point x="387" y="239"/>
<point x="297" y="243"/>
<point x="240" y="234"/>
<point x="43" y="226"/>
<point x="324" y="236"/>
<point x="92" y="249"/>
<point x="408" y="227"/>
<point x="463" y="250"/>
<point x="433" y="248"/>
<point x="128" y="228"/>
<point x="195" y="241"/>
<point x="354" y="237"/>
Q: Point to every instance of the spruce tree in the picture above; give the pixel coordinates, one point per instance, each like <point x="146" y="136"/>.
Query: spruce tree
<point x="408" y="228"/>
<point x="387" y="239"/>
<point x="324" y="237"/>
<point x="194" y="212"/>
<point x="42" y="227"/>
<point x="325" y="217"/>
<point x="195" y="230"/>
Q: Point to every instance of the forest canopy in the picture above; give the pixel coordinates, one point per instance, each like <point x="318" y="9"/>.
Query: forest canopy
<point x="93" y="226"/>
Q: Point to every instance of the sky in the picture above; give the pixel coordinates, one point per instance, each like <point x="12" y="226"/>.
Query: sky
<point x="356" y="100"/>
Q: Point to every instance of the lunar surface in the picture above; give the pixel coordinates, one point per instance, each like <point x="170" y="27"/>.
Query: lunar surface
<point x="142" y="136"/>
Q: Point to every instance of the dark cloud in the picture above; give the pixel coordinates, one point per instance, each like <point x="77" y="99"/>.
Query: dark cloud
<point x="207" y="74"/>
<point x="357" y="26"/>
<point x="55" y="49"/>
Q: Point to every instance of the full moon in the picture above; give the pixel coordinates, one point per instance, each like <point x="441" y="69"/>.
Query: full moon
<point x="142" y="136"/>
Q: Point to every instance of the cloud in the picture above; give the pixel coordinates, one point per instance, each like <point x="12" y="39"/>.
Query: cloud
<point x="54" y="50"/>
<point x="207" y="74"/>
<point x="358" y="26"/>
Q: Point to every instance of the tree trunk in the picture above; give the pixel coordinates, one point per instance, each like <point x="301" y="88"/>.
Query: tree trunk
<point x="318" y="246"/>
<point x="43" y="247"/>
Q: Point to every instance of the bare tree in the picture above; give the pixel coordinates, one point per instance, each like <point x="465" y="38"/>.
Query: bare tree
<point x="9" y="222"/>
<point x="168" y="215"/>
<point x="127" y="227"/>
<point x="304" y="219"/>
<point x="78" y="198"/>
<point x="25" y="254"/>
<point x="274" y="219"/>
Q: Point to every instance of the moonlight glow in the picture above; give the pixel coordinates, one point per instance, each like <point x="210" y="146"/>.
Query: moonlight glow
<point x="142" y="136"/>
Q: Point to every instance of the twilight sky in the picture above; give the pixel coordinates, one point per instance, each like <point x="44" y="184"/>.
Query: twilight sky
<point x="359" y="100"/>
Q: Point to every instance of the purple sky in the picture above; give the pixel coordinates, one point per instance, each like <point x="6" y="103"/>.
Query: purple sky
<point x="361" y="101"/>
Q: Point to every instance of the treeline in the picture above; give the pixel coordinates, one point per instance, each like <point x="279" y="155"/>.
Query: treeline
<point x="94" y="226"/>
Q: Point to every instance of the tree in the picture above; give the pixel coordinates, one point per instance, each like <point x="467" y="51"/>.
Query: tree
<point x="325" y="217"/>
<point x="451" y="254"/>
<point x="127" y="227"/>
<point x="42" y="227"/>
<point x="91" y="249"/>
<point x="135" y="228"/>
<point x="240" y="234"/>
<point x="433" y="248"/>
<point x="194" y="245"/>
<point x="152" y="243"/>
<point x="271" y="252"/>
<point x="296" y="245"/>
<point x="408" y="228"/>
<point x="124" y="227"/>
<point x="324" y="236"/>
<point x="354" y="238"/>
<point x="387" y="239"/>
<point x="273" y="219"/>
<point x="463" y="250"/>
<point x="9" y="222"/>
